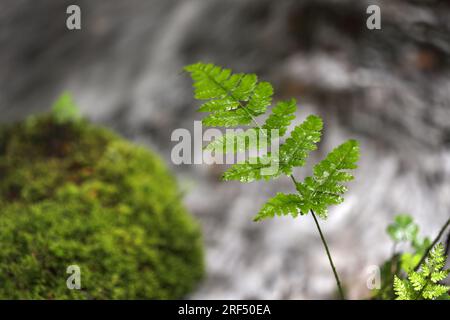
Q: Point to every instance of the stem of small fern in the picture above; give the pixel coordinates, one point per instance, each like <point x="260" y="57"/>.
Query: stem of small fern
<point x="336" y="276"/>
<point x="441" y="232"/>
<point x="330" y="260"/>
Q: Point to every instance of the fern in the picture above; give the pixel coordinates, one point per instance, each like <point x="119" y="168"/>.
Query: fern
<point x="321" y="190"/>
<point x="233" y="99"/>
<point x="326" y="187"/>
<point x="281" y="117"/>
<point x="238" y="100"/>
<point x="424" y="283"/>
<point x="404" y="230"/>
<point x="281" y="204"/>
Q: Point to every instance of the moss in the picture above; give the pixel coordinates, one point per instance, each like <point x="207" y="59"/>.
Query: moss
<point x="72" y="193"/>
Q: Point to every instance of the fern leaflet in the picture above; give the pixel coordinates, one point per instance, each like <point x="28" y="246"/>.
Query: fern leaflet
<point x="424" y="284"/>
<point x="281" y="205"/>
<point x="325" y="187"/>
<point x="281" y="117"/>
<point x="292" y="153"/>
<point x="233" y="99"/>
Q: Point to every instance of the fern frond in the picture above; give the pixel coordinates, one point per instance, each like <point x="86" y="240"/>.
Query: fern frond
<point x="437" y="257"/>
<point x="436" y="291"/>
<point x="233" y="99"/>
<point x="237" y="141"/>
<point x="303" y="139"/>
<point x="292" y="153"/>
<point x="402" y="289"/>
<point x="280" y="205"/>
<point x="423" y="284"/>
<point x="237" y="99"/>
<point x="281" y="117"/>
<point x="265" y="167"/>
<point x="218" y="105"/>
<point x="227" y="119"/>
<point x="417" y="281"/>
<point x="210" y="81"/>
<point x="261" y="98"/>
<point x="439" y="275"/>
<point x="279" y="120"/>
<point x="325" y="187"/>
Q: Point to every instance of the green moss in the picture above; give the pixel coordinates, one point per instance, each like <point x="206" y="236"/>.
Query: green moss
<point x="72" y="193"/>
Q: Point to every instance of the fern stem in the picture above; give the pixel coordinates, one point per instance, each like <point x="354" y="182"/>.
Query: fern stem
<point x="338" y="282"/>
<point x="432" y="245"/>
<point x="336" y="276"/>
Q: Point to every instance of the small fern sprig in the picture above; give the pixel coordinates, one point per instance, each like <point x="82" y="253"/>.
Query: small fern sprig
<point x="238" y="100"/>
<point x="424" y="283"/>
<point x="401" y="264"/>
<point x="441" y="232"/>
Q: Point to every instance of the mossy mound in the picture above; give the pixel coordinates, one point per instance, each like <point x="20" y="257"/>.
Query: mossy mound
<point x="72" y="193"/>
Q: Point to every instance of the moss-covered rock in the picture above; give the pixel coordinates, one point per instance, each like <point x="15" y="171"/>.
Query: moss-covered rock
<point x="72" y="193"/>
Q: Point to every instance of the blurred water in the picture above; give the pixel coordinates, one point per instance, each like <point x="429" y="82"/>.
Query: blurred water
<point x="389" y="88"/>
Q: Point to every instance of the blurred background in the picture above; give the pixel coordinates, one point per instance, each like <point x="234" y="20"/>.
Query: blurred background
<point x="388" y="88"/>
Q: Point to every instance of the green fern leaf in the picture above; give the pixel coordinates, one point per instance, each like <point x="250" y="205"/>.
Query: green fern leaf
<point x="423" y="284"/>
<point x="244" y="89"/>
<point x="437" y="258"/>
<point x="233" y="99"/>
<point x="281" y="117"/>
<point x="261" y="98"/>
<point x="219" y="105"/>
<point x="325" y="187"/>
<point x="280" y="205"/>
<point x="265" y="167"/>
<point x="239" y="141"/>
<point x="211" y="82"/>
<point x="439" y="275"/>
<point x="435" y="291"/>
<point x="292" y="153"/>
<point x="227" y="118"/>
<point x="303" y="139"/>
<point x="417" y="281"/>
<point x="402" y="289"/>
<point x="279" y="120"/>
